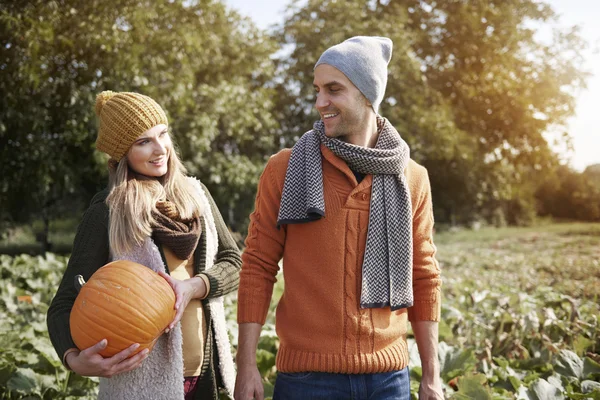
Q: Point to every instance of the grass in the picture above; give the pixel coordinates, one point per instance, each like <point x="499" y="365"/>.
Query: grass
<point x="23" y="239"/>
<point x="564" y="257"/>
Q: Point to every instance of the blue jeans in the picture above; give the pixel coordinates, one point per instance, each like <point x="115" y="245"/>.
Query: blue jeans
<point x="393" y="385"/>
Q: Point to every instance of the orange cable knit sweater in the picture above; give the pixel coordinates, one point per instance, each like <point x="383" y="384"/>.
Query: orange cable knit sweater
<point x="318" y="319"/>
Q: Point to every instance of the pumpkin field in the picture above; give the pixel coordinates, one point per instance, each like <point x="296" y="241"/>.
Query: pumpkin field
<point x="519" y="319"/>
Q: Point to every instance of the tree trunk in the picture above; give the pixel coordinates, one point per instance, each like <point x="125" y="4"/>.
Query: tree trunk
<point x="43" y="237"/>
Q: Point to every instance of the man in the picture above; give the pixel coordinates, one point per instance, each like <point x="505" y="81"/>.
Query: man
<point x="351" y="216"/>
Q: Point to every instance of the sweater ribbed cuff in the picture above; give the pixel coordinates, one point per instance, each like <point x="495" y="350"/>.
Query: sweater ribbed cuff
<point x="425" y="311"/>
<point x="206" y="283"/>
<point x="252" y="312"/>
<point x="64" y="358"/>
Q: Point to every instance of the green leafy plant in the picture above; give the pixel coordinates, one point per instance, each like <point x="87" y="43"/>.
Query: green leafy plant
<point x="519" y="319"/>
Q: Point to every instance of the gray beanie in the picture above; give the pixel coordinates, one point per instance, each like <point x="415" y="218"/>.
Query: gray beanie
<point x="364" y="60"/>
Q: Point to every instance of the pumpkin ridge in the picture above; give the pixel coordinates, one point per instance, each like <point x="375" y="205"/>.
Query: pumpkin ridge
<point x="130" y="310"/>
<point x="153" y="283"/>
<point x="111" y="349"/>
<point x="122" y="338"/>
<point x="94" y="340"/>
<point x="151" y="306"/>
<point x="157" y="289"/>
<point x="98" y="329"/>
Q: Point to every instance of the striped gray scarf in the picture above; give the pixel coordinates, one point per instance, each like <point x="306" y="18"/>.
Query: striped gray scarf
<point x="387" y="264"/>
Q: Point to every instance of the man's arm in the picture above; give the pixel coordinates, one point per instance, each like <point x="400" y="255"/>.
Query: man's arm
<point x="260" y="264"/>
<point x="425" y="313"/>
<point x="249" y="383"/>
<point x="264" y="246"/>
<point x="426" y="336"/>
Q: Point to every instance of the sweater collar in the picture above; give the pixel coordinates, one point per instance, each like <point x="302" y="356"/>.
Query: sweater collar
<point x="345" y="169"/>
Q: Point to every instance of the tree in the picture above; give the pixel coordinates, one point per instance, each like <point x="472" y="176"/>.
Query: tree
<point x="506" y="88"/>
<point x="46" y="156"/>
<point x="205" y="64"/>
<point x="420" y="114"/>
<point x="593" y="173"/>
<point x="568" y="194"/>
<point x="463" y="90"/>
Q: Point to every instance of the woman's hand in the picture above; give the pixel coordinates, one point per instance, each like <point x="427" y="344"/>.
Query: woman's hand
<point x="89" y="362"/>
<point x="193" y="288"/>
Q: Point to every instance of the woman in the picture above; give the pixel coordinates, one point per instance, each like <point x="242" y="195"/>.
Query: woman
<point x="153" y="214"/>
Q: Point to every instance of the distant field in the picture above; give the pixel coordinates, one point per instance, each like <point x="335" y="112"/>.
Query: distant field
<point x="564" y="257"/>
<point x="22" y="239"/>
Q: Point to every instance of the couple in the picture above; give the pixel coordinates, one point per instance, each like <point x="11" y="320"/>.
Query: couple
<point x="346" y="209"/>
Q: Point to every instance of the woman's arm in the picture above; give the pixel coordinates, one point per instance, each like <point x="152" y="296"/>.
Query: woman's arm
<point x="224" y="276"/>
<point x="90" y="252"/>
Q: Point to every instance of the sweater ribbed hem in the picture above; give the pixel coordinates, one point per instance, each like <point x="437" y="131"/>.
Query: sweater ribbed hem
<point x="392" y="358"/>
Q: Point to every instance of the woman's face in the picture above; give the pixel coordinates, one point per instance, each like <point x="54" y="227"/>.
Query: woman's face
<point x="150" y="152"/>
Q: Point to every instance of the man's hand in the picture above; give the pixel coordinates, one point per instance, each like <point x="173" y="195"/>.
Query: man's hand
<point x="431" y="388"/>
<point x="89" y="362"/>
<point x="248" y="384"/>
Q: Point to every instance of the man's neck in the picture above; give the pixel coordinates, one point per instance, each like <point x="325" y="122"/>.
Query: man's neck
<point x="368" y="137"/>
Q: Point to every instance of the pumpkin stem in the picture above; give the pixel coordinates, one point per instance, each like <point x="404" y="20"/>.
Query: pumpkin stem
<point x="79" y="282"/>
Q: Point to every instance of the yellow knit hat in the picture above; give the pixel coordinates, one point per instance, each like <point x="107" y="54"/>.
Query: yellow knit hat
<point x="123" y="117"/>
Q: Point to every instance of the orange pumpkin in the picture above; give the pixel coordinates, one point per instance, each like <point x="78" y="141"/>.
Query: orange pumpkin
<point x="125" y="303"/>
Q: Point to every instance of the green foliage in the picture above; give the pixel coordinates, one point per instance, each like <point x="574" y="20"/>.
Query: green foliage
<point x="470" y="89"/>
<point x="571" y="195"/>
<point x="519" y="319"/>
<point x="454" y="361"/>
<point x="205" y="64"/>
<point x="472" y="387"/>
<point x="527" y="308"/>
<point x="478" y="56"/>
<point x="542" y="390"/>
<point x="29" y="366"/>
<point x="463" y="90"/>
<point x="44" y="121"/>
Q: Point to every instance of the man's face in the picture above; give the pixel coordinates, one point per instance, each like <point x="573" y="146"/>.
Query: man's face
<point x="343" y="108"/>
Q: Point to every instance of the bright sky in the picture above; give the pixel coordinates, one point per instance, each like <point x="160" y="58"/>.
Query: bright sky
<point x="584" y="127"/>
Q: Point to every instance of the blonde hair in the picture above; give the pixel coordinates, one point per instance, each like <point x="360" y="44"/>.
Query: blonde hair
<point x="132" y="200"/>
